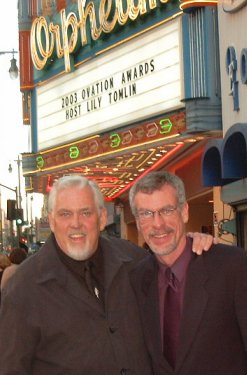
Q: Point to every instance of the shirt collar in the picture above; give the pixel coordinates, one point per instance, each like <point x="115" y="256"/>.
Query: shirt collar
<point x="179" y="268"/>
<point x="77" y="266"/>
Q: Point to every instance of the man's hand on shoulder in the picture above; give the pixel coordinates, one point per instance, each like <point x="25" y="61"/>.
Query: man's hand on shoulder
<point x="201" y="241"/>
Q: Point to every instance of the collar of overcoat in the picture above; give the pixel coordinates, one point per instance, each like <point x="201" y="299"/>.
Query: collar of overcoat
<point x="50" y="267"/>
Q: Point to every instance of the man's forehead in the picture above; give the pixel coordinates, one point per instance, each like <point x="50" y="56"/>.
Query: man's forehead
<point x="161" y="190"/>
<point x="78" y="197"/>
<point x="160" y="196"/>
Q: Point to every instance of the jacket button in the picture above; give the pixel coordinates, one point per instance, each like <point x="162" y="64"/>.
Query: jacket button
<point x="124" y="371"/>
<point x="112" y="329"/>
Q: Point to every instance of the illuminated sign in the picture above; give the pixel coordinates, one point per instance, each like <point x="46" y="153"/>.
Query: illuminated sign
<point x="187" y="5"/>
<point x="62" y="38"/>
<point x="133" y="82"/>
<point x="96" y="147"/>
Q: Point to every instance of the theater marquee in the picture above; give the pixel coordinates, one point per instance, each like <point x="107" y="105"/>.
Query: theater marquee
<point x="135" y="81"/>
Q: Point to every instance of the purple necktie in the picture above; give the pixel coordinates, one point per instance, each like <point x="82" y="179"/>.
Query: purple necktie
<point x="171" y="318"/>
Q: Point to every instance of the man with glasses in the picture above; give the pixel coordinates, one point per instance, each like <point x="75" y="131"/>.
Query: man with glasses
<point x="193" y="308"/>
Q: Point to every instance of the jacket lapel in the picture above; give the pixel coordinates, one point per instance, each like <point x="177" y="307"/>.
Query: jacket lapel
<point x="150" y="306"/>
<point x="80" y="291"/>
<point x="195" y="301"/>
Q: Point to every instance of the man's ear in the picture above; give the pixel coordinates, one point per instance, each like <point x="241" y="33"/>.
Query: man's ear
<point x="137" y="225"/>
<point x="185" y="212"/>
<point x="103" y="218"/>
<point x="51" y="221"/>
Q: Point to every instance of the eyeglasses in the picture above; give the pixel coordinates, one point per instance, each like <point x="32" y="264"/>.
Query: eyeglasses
<point x="147" y="215"/>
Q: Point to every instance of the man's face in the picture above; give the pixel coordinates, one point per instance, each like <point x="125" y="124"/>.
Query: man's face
<point x="165" y="234"/>
<point x="76" y="222"/>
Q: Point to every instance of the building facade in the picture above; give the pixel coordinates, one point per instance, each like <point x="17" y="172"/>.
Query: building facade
<point x="113" y="90"/>
<point x="225" y="161"/>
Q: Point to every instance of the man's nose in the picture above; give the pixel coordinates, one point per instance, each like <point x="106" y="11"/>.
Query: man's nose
<point x="75" y="222"/>
<point x="158" y="219"/>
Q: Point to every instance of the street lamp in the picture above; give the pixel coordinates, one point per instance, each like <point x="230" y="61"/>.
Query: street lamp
<point x="13" y="70"/>
<point x="10" y="169"/>
<point x="18" y="192"/>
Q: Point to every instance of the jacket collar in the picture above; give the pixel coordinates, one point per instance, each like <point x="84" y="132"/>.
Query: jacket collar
<point x="51" y="267"/>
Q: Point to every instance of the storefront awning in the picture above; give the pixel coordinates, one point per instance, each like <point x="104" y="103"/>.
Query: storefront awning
<point x="225" y="160"/>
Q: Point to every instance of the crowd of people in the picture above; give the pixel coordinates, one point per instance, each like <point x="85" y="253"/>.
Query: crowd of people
<point x="89" y="304"/>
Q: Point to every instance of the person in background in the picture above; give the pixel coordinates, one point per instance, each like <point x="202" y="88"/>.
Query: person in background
<point x="23" y="246"/>
<point x="71" y="307"/>
<point x="16" y="257"/>
<point x="4" y="263"/>
<point x="193" y="308"/>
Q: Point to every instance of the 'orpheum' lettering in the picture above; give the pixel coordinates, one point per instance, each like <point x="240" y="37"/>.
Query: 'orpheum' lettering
<point x="61" y="39"/>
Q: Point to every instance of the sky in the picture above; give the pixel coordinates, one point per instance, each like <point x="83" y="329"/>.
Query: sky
<point x="14" y="136"/>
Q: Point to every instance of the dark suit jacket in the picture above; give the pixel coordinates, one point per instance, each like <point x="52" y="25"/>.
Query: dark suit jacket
<point x="51" y="325"/>
<point x="213" y="336"/>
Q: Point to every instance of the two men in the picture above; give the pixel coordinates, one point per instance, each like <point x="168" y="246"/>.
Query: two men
<point x="53" y="320"/>
<point x="207" y="329"/>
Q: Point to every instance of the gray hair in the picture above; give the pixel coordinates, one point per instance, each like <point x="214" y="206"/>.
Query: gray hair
<point x="71" y="181"/>
<point x="155" y="181"/>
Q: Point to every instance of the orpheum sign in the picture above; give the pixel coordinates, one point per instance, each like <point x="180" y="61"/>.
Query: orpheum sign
<point x="70" y="30"/>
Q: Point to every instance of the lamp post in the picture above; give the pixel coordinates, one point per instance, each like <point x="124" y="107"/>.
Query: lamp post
<point x="18" y="192"/>
<point x="10" y="169"/>
<point x="13" y="70"/>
